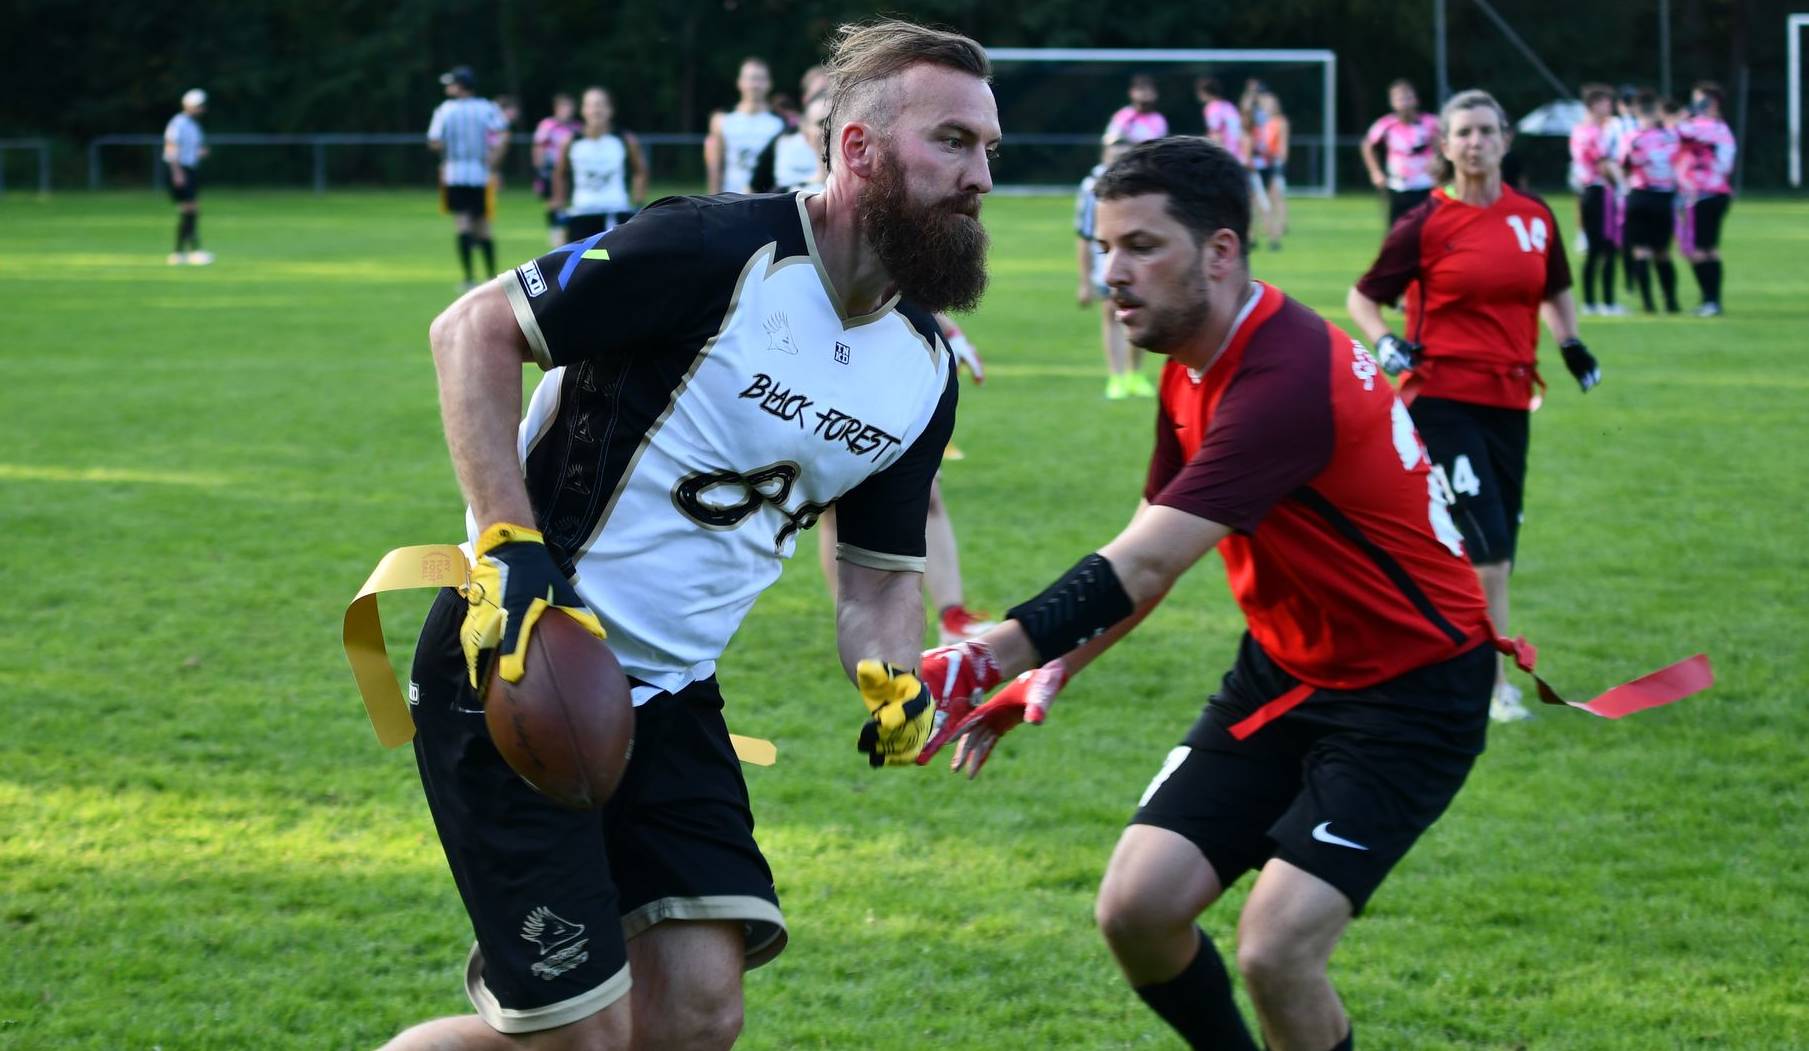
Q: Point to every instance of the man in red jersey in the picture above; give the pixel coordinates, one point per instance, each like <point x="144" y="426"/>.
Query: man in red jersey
<point x="1359" y="698"/>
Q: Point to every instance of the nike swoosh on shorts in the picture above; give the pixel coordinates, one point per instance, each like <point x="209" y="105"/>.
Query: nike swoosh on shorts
<point x="1322" y="833"/>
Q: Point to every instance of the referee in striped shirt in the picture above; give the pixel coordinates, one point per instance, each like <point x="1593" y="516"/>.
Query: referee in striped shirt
<point x="183" y="148"/>
<point x="462" y="134"/>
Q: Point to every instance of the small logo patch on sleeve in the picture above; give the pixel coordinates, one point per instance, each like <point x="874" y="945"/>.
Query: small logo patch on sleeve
<point x="530" y="277"/>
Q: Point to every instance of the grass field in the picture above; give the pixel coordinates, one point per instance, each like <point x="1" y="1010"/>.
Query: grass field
<point x="203" y="847"/>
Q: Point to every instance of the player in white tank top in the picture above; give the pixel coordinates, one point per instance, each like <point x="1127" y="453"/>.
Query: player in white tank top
<point x="737" y="136"/>
<point x="590" y="181"/>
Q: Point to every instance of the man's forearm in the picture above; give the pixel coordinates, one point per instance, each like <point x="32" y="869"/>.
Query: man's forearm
<point x="878" y="615"/>
<point x="479" y="361"/>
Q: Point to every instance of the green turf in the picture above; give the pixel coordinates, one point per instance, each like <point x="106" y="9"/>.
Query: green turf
<point x="202" y="846"/>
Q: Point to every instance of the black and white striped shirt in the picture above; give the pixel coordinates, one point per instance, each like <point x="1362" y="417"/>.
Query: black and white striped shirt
<point x="184" y="132"/>
<point x="463" y="126"/>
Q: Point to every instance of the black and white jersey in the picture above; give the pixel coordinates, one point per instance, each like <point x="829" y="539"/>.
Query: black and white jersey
<point x="596" y="168"/>
<point x="707" y="399"/>
<point x="463" y="127"/>
<point x="744" y="135"/>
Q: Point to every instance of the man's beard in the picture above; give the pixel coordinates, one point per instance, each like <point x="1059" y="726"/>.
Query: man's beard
<point x="1167" y="329"/>
<point x="935" y="252"/>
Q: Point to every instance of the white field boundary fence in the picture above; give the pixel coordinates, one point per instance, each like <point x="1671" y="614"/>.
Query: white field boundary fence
<point x="41" y="147"/>
<point x="318" y="144"/>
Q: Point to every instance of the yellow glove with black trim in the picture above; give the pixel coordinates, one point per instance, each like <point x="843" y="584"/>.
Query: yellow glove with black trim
<point x="512" y="585"/>
<point x="902" y="715"/>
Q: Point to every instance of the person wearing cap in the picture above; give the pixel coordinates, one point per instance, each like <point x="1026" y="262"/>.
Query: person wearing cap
<point x="465" y="132"/>
<point x="183" y="148"/>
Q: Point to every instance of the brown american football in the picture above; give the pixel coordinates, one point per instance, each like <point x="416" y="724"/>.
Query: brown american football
<point x="568" y="725"/>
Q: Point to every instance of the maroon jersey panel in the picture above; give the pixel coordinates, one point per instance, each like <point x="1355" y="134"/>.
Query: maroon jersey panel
<point x="1475" y="278"/>
<point x="1345" y="561"/>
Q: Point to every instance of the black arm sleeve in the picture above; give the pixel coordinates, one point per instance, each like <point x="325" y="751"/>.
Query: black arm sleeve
<point x="880" y="522"/>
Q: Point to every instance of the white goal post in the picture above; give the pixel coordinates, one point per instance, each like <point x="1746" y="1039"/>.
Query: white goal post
<point x="1793" y="31"/>
<point x="1327" y="61"/>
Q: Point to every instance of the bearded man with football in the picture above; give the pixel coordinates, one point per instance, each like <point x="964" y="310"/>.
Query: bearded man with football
<point x="721" y="370"/>
<point x="1359" y="697"/>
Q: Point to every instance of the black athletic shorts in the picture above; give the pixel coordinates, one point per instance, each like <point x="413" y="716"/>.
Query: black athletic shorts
<point x="191" y="182"/>
<point x="1341" y="786"/>
<point x="579" y="225"/>
<point x="1708" y="214"/>
<point x="1482" y="451"/>
<point x="1400" y="202"/>
<point x="554" y="894"/>
<point x="1650" y="219"/>
<point x="465" y="200"/>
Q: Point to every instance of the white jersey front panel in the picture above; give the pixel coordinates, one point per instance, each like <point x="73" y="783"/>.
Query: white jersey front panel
<point x="598" y="168"/>
<point x="744" y="136"/>
<point x="794" y="162"/>
<point x="780" y="412"/>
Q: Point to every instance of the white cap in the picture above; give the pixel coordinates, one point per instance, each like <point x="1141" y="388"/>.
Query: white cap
<point x="194" y="97"/>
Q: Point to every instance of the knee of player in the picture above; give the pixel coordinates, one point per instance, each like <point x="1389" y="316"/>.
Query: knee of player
<point x="1125" y="914"/>
<point x="1270" y="955"/>
<point x="705" y="1023"/>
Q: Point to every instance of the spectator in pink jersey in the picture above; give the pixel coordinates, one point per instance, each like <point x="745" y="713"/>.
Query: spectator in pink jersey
<point x="1411" y="140"/>
<point x="1224" y="124"/>
<point x="1139" y="121"/>
<point x="550" y="137"/>
<point x="1707" y="163"/>
<point x="1648" y="159"/>
<point x="1594" y="177"/>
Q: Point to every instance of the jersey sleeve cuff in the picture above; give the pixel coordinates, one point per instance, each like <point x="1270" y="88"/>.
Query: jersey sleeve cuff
<point x="524" y="316"/>
<point x="879" y="560"/>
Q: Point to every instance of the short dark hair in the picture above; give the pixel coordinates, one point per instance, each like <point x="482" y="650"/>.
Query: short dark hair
<point x="1593" y="93"/>
<point x="1647" y="102"/>
<point x="1207" y="188"/>
<point x="1143" y="80"/>
<point x="1712" y="90"/>
<point x="1209" y="86"/>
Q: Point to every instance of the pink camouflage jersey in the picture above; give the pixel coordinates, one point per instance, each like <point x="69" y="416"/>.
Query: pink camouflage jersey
<point x="1128" y="125"/>
<point x="1588" y="149"/>
<point x="1648" y="158"/>
<point x="1225" y="126"/>
<point x="1412" y="149"/>
<point x="1705" y="156"/>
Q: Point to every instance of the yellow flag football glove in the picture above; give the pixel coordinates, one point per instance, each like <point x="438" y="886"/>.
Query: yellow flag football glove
<point x="512" y="585"/>
<point x="901" y="714"/>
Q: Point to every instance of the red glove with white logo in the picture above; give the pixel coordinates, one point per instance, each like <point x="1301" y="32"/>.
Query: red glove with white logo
<point x="1026" y="700"/>
<point x="957" y="677"/>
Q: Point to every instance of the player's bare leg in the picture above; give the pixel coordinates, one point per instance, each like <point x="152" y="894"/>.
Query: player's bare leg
<point x="942" y="576"/>
<point x="610" y="1029"/>
<point x="687" y="985"/>
<point x="1505" y="706"/>
<point x="1155" y="887"/>
<point x="1285" y="937"/>
<point x="826" y="550"/>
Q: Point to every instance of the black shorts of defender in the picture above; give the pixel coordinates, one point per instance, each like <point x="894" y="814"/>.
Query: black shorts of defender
<point x="1481" y="450"/>
<point x="1400" y="202"/>
<point x="579" y="225"/>
<point x="1650" y="219"/>
<point x="1342" y="786"/>
<point x="465" y="200"/>
<point x="555" y="894"/>
<point x="1707" y="215"/>
<point x="191" y="182"/>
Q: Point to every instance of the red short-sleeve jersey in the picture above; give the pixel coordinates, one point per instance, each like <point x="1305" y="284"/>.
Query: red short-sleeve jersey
<point x="1475" y="278"/>
<point x="1345" y="560"/>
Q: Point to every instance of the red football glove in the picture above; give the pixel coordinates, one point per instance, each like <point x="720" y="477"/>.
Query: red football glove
<point x="1026" y="700"/>
<point x="957" y="677"/>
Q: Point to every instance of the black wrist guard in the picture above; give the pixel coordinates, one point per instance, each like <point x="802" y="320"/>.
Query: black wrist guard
<point x="1086" y="601"/>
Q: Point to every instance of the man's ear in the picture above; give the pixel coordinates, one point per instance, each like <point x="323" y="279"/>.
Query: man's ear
<point x="1224" y="253"/>
<point x="855" y="149"/>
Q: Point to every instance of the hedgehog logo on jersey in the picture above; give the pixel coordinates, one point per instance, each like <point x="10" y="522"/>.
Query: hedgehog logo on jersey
<point x="778" y="334"/>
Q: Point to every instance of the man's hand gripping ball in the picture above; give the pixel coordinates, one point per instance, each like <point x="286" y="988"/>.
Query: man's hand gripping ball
<point x="512" y="585"/>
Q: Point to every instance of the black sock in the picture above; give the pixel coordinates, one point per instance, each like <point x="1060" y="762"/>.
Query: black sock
<point x="489" y="248"/>
<point x="1710" y="275"/>
<point x="1640" y="271"/>
<point x="465" y="254"/>
<point x="1667" y="281"/>
<point x="1608" y="258"/>
<point x="1198" y="1004"/>
<point x="185" y="231"/>
<point x="1591" y="263"/>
